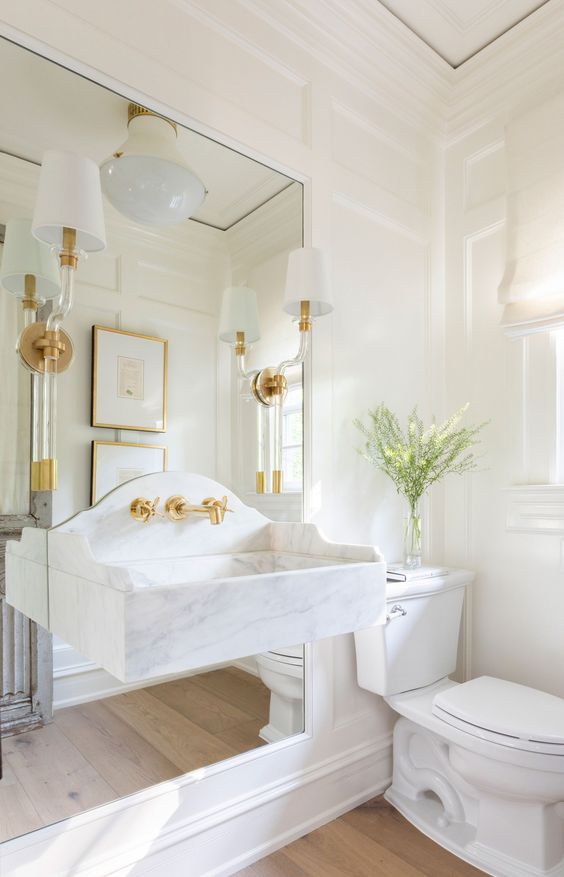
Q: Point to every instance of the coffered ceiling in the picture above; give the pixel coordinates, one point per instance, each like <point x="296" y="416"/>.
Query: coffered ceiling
<point x="457" y="29"/>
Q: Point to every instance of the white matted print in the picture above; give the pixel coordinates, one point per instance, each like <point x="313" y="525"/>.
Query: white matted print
<point x="129" y="374"/>
<point x="114" y="463"/>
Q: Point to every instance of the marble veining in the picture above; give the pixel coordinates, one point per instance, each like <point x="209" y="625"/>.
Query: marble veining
<point x="147" y="600"/>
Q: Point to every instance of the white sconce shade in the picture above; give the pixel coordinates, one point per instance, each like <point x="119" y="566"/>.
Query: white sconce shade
<point x="24" y="256"/>
<point x="308" y="279"/>
<point x="147" y="178"/>
<point x="69" y="195"/>
<point x="239" y="313"/>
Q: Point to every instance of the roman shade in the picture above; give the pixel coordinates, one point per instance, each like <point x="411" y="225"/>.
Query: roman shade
<point x="532" y="287"/>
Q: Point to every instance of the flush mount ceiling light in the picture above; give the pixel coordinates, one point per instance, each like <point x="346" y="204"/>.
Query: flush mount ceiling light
<point x="147" y="178"/>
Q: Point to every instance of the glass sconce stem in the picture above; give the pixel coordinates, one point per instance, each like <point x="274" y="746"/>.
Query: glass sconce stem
<point x="36" y="410"/>
<point x="44" y="465"/>
<point x="277" y="445"/>
<point x="64" y="302"/>
<point x="299" y="357"/>
<point x="261" y="451"/>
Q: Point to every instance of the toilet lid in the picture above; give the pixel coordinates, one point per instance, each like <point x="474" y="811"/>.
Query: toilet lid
<point x="504" y="712"/>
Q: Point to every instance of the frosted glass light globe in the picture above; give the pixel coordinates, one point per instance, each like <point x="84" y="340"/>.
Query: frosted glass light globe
<point x="147" y="179"/>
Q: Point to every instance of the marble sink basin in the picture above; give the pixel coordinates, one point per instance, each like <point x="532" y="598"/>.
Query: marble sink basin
<point x="149" y="600"/>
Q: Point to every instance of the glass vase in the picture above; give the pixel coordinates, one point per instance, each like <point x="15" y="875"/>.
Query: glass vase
<point x="412" y="548"/>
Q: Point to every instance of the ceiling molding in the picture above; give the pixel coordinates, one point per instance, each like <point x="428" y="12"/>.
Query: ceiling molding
<point x="522" y="63"/>
<point x="367" y="45"/>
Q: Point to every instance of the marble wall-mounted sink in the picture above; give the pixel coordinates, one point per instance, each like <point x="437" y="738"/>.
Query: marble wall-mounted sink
<point x="148" y="600"/>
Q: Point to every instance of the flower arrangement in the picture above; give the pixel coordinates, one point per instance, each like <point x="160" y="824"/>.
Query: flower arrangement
<point x="417" y="458"/>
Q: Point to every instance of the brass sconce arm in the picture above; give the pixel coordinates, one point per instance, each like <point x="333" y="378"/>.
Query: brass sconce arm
<point x="178" y="508"/>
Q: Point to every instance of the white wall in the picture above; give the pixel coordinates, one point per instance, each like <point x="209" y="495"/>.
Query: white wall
<point x="496" y="523"/>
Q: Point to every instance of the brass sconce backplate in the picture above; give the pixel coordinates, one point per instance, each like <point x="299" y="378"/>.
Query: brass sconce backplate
<point x="32" y="344"/>
<point x="267" y="384"/>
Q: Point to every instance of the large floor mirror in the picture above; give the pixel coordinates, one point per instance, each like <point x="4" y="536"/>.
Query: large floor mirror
<point x="73" y="736"/>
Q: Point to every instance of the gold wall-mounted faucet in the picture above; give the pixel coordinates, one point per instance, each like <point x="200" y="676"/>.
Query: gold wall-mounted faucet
<point x="142" y="509"/>
<point x="178" y="507"/>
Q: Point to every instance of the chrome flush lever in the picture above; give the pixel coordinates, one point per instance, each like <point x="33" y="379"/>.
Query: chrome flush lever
<point x="397" y="611"/>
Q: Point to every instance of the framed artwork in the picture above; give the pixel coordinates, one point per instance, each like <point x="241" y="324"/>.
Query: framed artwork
<point x="114" y="463"/>
<point x="129" y="375"/>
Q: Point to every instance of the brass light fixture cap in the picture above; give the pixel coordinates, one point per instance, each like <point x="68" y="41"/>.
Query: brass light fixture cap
<point x="266" y="385"/>
<point x="134" y="110"/>
<point x="32" y="355"/>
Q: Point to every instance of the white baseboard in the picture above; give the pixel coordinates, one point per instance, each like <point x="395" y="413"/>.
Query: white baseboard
<point x="157" y="831"/>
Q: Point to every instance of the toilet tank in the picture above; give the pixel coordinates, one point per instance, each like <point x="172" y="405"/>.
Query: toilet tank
<point x="418" y="644"/>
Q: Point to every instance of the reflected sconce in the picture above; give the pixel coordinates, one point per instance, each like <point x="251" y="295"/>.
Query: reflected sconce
<point x="29" y="268"/>
<point x="68" y="218"/>
<point x="307" y="296"/>
<point x="30" y="272"/>
<point x="147" y="178"/>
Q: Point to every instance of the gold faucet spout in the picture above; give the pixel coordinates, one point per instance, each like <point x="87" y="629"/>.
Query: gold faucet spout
<point x="178" y="508"/>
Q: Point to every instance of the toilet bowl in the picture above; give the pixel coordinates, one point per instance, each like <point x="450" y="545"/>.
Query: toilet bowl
<point x="477" y="766"/>
<point x="282" y="671"/>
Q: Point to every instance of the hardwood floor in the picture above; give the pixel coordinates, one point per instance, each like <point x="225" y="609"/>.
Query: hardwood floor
<point x="99" y="751"/>
<point x="372" y="841"/>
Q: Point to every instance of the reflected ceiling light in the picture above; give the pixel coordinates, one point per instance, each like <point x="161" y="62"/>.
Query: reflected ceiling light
<point x="147" y="178"/>
<point x="307" y="295"/>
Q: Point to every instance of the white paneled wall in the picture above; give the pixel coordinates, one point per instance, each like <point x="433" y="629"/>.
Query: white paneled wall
<point x="511" y="537"/>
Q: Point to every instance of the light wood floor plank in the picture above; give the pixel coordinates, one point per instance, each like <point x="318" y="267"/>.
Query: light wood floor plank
<point x="276" y="865"/>
<point x="338" y="850"/>
<point x="238" y="688"/>
<point x="57" y="778"/>
<point x="17" y="813"/>
<point x="245" y="736"/>
<point x="119" y="754"/>
<point x="382" y="822"/>
<point x="210" y="712"/>
<point x="181" y="741"/>
<point x="372" y="841"/>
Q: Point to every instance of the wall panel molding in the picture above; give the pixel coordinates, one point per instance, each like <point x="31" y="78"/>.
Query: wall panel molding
<point x="535" y="508"/>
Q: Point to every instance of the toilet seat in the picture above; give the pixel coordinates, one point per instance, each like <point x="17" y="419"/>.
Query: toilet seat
<point x="287" y="655"/>
<point x="504" y="713"/>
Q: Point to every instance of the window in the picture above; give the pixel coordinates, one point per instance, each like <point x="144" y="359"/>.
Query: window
<point x="292" y="438"/>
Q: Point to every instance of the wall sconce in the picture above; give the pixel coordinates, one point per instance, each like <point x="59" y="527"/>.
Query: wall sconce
<point x="68" y="217"/>
<point x="307" y="295"/>
<point x="31" y="273"/>
<point x="29" y="268"/>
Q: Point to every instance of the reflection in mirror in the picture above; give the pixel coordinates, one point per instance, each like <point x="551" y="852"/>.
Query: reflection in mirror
<point x="74" y="736"/>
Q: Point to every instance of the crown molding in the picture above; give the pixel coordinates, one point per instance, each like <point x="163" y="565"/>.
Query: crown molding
<point x="364" y="44"/>
<point x="271" y="229"/>
<point x="508" y="74"/>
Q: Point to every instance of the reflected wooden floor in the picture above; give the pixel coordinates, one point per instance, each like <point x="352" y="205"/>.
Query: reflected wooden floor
<point x="371" y="841"/>
<point x="99" y="751"/>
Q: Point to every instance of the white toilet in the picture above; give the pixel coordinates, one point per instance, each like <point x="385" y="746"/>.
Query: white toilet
<point x="479" y="767"/>
<point x="283" y="672"/>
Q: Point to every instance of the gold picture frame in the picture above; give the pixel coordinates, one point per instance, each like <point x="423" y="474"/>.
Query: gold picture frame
<point x="100" y="486"/>
<point x="129" y="380"/>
